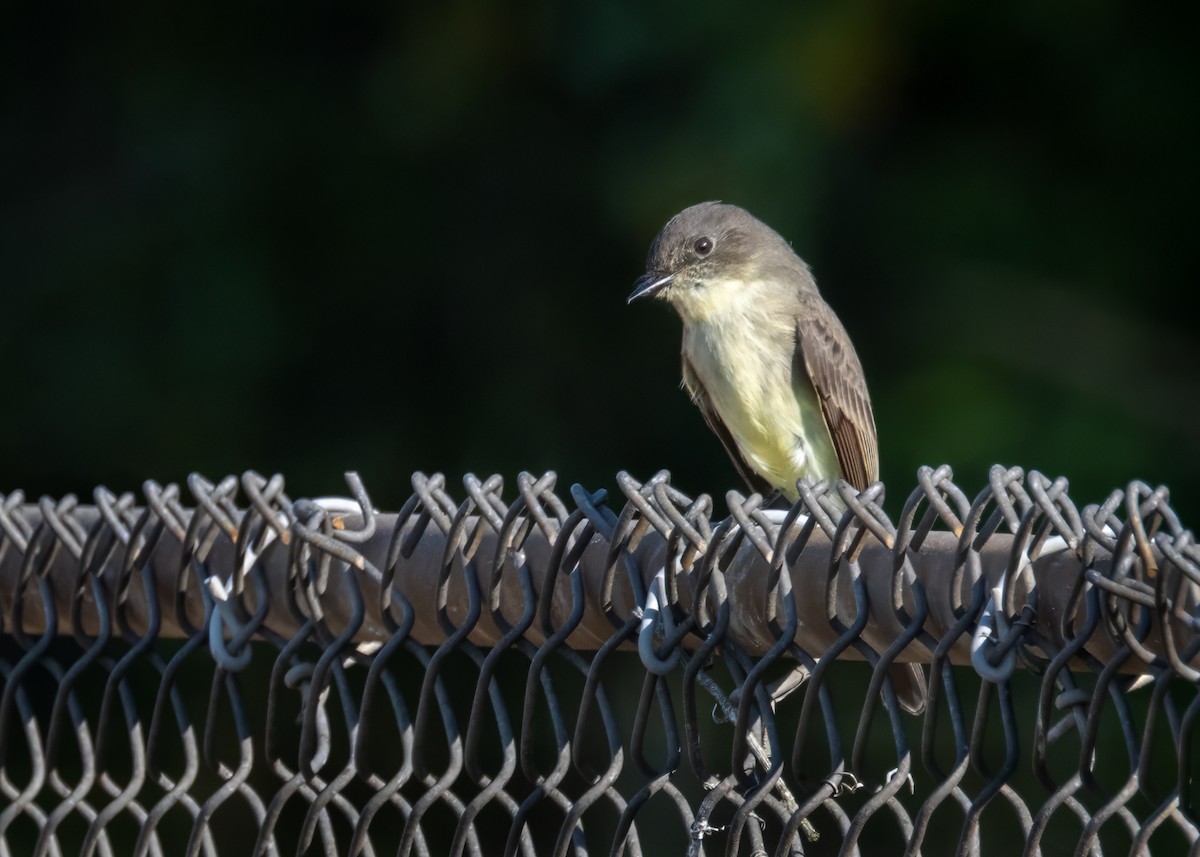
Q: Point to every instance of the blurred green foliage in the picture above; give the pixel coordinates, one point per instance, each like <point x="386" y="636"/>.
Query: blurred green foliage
<point x="399" y="236"/>
<point x="391" y="237"/>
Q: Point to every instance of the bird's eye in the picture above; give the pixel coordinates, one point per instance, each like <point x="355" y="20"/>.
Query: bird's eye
<point x="703" y="246"/>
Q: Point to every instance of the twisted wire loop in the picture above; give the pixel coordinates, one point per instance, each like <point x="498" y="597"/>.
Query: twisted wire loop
<point x="217" y="668"/>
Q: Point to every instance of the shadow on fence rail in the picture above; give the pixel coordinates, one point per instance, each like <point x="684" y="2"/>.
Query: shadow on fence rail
<point x="219" y="669"/>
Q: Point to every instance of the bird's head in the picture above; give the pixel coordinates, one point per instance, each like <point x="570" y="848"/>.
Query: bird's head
<point x="705" y="255"/>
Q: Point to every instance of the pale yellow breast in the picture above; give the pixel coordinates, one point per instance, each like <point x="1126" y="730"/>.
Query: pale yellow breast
<point x="743" y="357"/>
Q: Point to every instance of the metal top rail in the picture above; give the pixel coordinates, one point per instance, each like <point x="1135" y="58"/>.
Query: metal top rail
<point x="1015" y="581"/>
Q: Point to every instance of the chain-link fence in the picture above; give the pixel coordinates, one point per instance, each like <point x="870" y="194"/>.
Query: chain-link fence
<point x="222" y="670"/>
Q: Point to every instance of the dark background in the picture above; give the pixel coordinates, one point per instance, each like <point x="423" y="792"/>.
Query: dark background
<point x="393" y="238"/>
<point x="400" y="237"/>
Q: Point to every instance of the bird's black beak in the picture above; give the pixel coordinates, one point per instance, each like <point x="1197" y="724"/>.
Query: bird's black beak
<point x="648" y="285"/>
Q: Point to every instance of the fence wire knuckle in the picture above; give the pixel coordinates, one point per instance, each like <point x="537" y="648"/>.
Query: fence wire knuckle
<point x="218" y="668"/>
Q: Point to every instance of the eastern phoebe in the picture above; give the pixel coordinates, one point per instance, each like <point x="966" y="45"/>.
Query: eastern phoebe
<point x="766" y="360"/>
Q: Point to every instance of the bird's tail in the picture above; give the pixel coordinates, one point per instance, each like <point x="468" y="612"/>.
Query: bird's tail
<point x="912" y="689"/>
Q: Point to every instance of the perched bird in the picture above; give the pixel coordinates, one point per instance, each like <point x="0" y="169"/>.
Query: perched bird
<point x="765" y="359"/>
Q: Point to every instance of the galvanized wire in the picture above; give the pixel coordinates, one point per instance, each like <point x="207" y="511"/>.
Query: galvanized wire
<point x="241" y="673"/>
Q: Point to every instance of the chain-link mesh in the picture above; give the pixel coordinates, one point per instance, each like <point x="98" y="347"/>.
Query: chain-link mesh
<point x="238" y="673"/>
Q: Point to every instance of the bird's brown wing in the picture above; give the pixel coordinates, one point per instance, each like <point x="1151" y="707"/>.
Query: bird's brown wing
<point x="692" y="382"/>
<point x="837" y="377"/>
